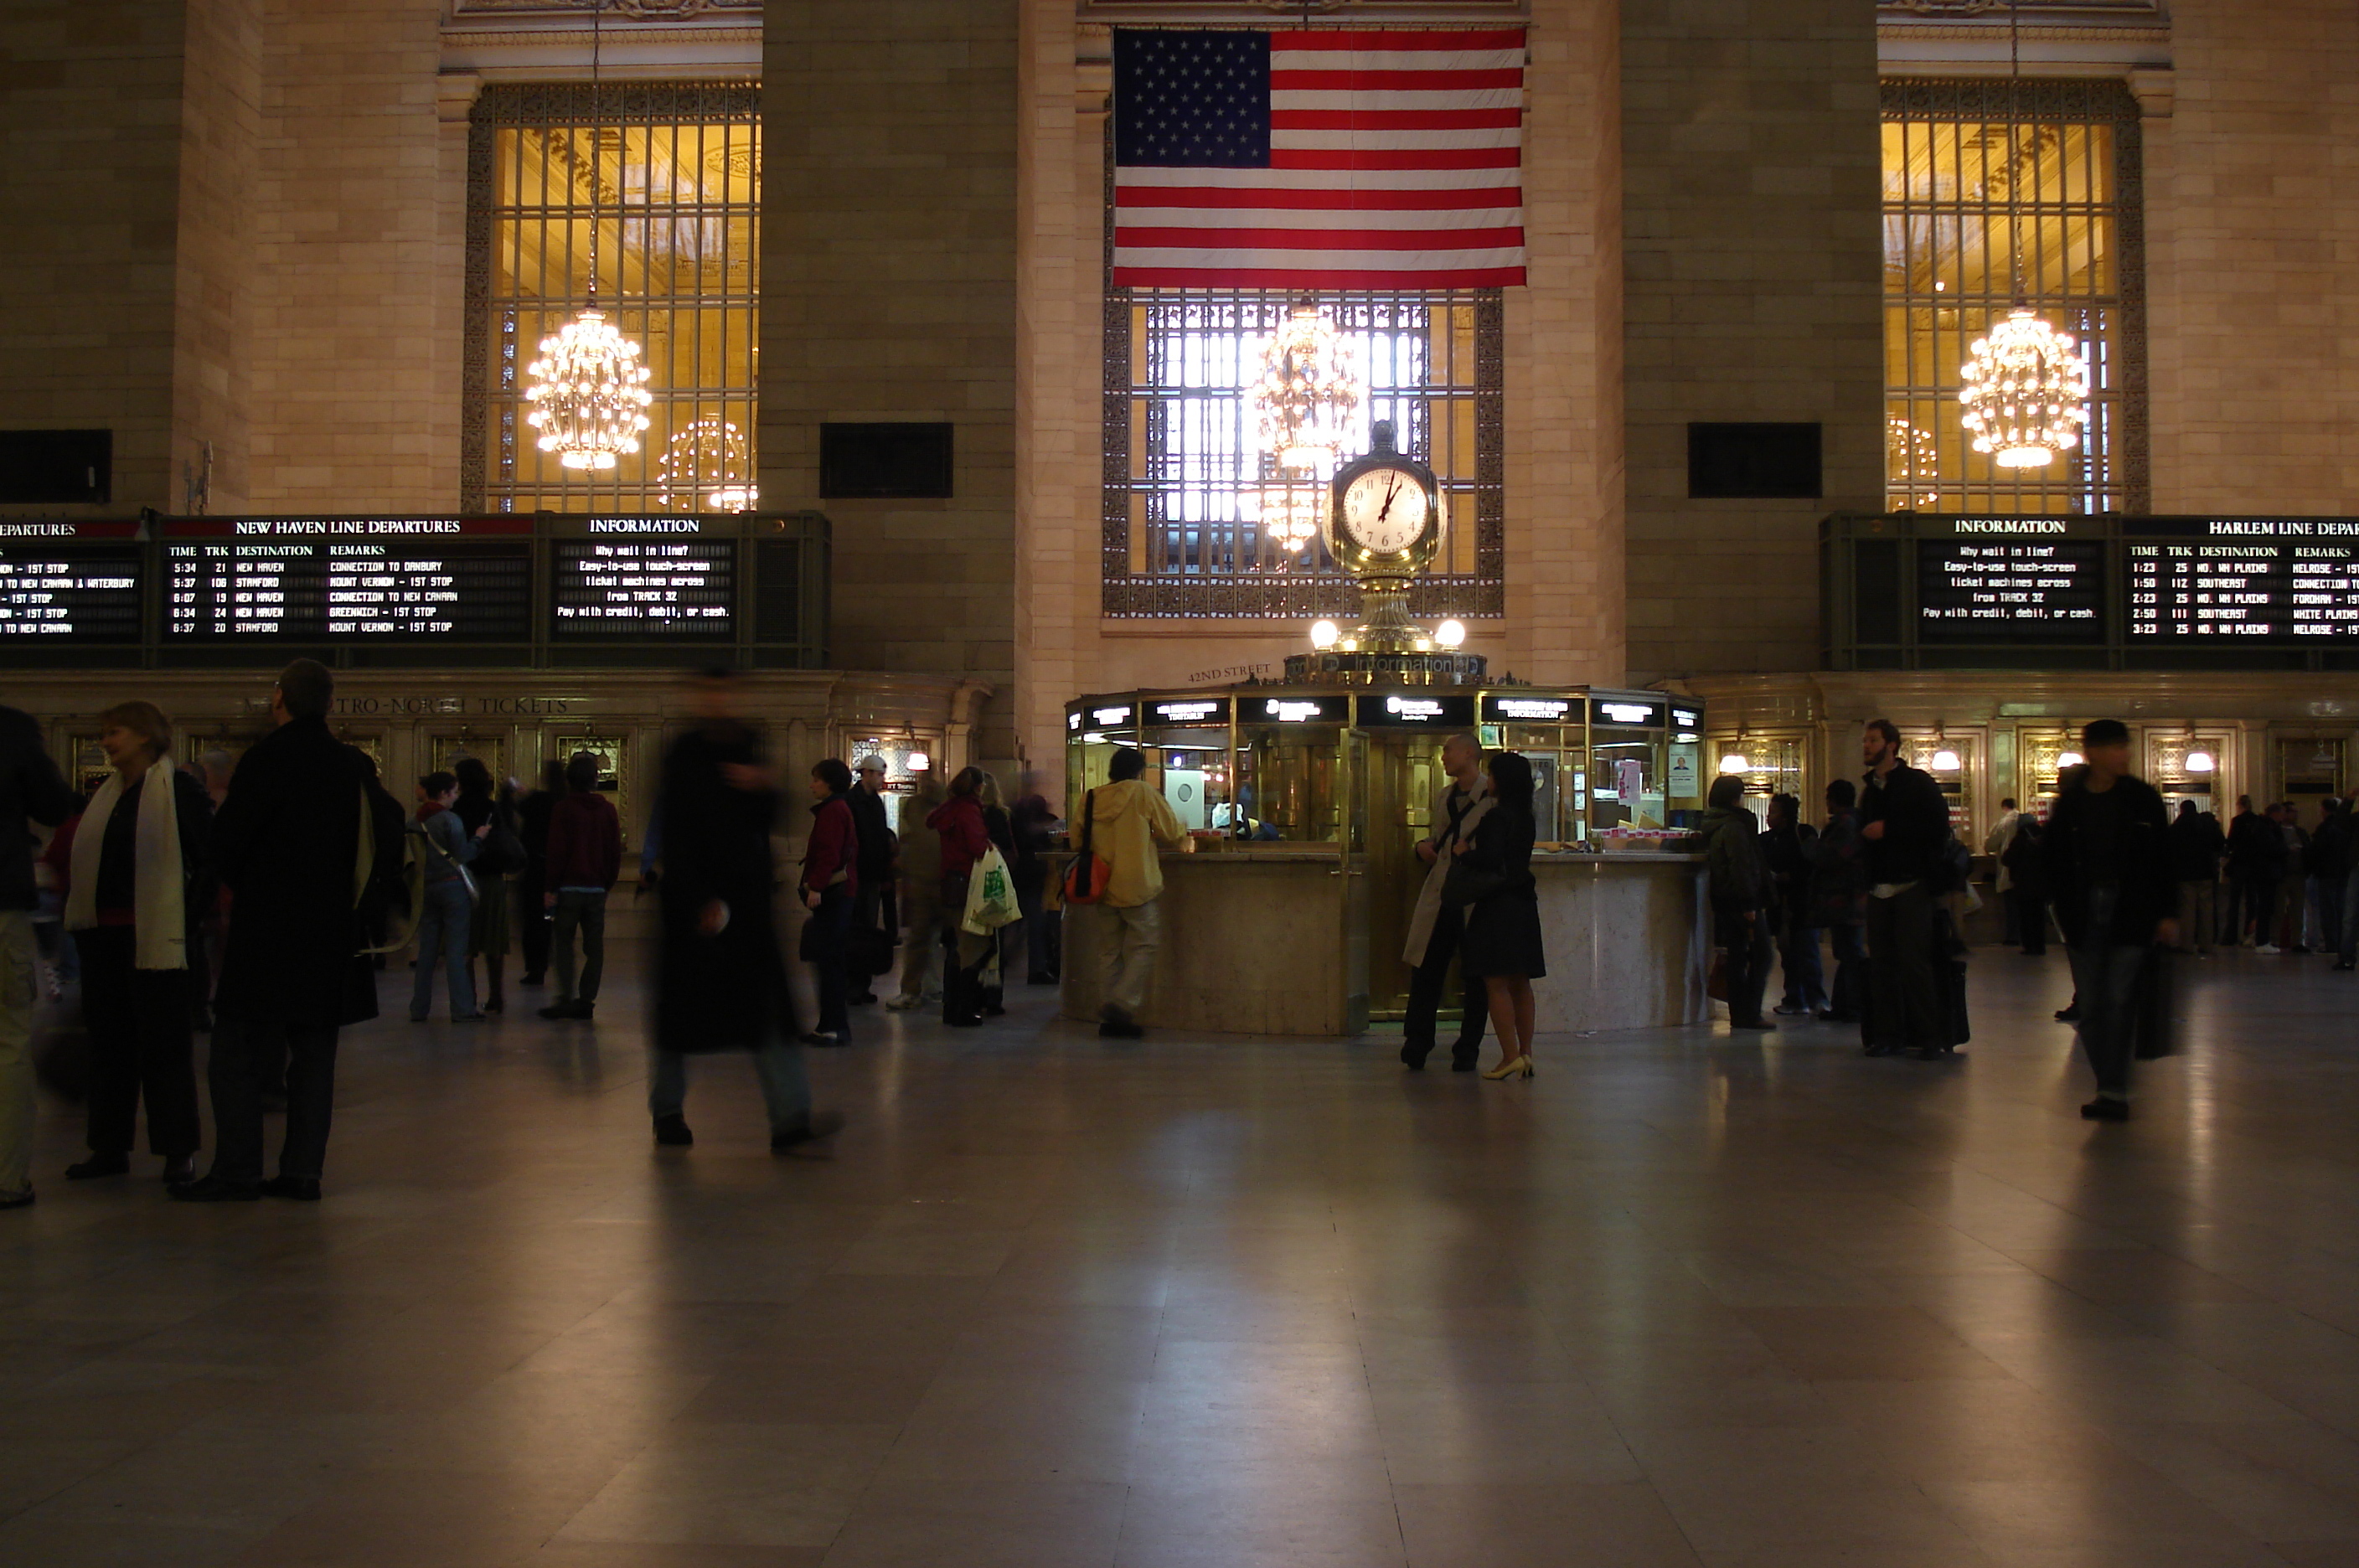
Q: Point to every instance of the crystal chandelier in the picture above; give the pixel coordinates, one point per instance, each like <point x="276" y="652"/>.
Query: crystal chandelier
<point x="1291" y="508"/>
<point x="1912" y="465"/>
<point x="2024" y="385"/>
<point x="704" y="466"/>
<point x="1308" y="392"/>
<point x="588" y="390"/>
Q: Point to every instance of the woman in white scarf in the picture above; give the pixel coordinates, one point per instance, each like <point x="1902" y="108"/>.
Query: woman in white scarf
<point x="132" y="900"/>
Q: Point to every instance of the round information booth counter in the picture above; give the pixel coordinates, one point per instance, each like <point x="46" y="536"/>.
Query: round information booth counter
<point x="1287" y="911"/>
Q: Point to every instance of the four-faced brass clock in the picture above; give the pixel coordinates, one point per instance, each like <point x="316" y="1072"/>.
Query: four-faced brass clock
<point x="1387" y="521"/>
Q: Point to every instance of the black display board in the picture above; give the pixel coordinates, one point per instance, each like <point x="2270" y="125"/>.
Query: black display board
<point x="347" y="579"/>
<point x="643" y="585"/>
<point x="1986" y="590"/>
<point x="1418" y="711"/>
<point x="72" y="583"/>
<point x="2216" y="592"/>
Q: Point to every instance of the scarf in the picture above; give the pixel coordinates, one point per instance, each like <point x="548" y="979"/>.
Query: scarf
<point x="158" y="879"/>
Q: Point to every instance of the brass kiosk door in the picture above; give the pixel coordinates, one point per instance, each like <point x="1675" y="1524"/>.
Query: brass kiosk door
<point x="1404" y="769"/>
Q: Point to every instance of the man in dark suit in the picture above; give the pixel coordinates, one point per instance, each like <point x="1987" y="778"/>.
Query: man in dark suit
<point x="288" y="844"/>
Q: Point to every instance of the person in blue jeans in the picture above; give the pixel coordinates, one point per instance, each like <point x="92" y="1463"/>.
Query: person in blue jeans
<point x="444" y="847"/>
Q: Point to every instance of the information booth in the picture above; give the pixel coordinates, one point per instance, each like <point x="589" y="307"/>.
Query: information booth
<point x="1304" y="802"/>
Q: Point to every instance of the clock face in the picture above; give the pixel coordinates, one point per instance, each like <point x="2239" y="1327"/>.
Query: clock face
<point x="1383" y="511"/>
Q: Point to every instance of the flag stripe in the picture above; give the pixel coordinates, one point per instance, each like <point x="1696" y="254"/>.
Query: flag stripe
<point x="1395" y="158"/>
<point x="1421" y="64"/>
<point x="1129" y="179"/>
<point x="1450" y="225"/>
<point x="1344" y="40"/>
<point x="1166" y="202"/>
<point x="1371" y="120"/>
<point x="1393" y="141"/>
<point x="1375" y="81"/>
<point x="1265" y="240"/>
<point x="1321" y="275"/>
<point x="1399" y="100"/>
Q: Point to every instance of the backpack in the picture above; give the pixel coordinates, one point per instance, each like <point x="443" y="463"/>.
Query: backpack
<point x="1086" y="877"/>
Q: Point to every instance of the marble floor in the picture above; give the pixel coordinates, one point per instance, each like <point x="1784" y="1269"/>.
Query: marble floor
<point x="1680" y="1300"/>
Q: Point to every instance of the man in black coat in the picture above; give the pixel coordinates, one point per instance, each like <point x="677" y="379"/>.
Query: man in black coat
<point x="2109" y="870"/>
<point x="2196" y="846"/>
<point x="721" y="979"/>
<point x="1787" y="845"/>
<point x="2256" y="855"/>
<point x="288" y="844"/>
<point x="873" y="877"/>
<point x="1905" y="821"/>
<point x="31" y="791"/>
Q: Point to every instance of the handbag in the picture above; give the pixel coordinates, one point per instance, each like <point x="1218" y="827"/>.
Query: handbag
<point x="1086" y="877"/>
<point x="990" y="896"/>
<point x="1467" y="885"/>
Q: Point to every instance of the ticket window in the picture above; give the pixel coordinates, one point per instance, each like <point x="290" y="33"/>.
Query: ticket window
<point x="492" y="751"/>
<point x="1769" y="765"/>
<point x="2310" y="769"/>
<point x="2185" y="766"/>
<point x="2041" y="757"/>
<point x="1950" y="759"/>
<point x="1556" y="766"/>
<point x="909" y="759"/>
<point x="1289" y="782"/>
<point x="1191" y="769"/>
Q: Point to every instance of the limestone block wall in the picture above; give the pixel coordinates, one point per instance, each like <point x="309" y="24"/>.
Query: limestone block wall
<point x="1751" y="206"/>
<point x="2253" y="225"/>
<point x="221" y="116"/>
<point x="354" y="346"/>
<point x="889" y="293"/>
<point x="92" y="113"/>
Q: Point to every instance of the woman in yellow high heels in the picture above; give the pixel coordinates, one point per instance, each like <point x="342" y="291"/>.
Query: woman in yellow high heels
<point x="1490" y="884"/>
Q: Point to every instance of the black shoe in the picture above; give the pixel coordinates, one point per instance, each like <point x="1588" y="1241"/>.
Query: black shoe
<point x="178" y="1173"/>
<point x="99" y="1165"/>
<point x="22" y="1200"/>
<point x="302" y="1189"/>
<point x="533" y="979"/>
<point x="1879" y="1051"/>
<point x="673" y="1132"/>
<point x="963" y="1020"/>
<point x="2105" y="1109"/>
<point x="1790" y="1010"/>
<point x="1414" y="1052"/>
<point x="817" y="1125"/>
<point x="558" y="1010"/>
<point x="2341" y="965"/>
<point x="1112" y="1030"/>
<point x="214" y="1190"/>
<point x="2068" y="1014"/>
<point x="824" y="1038"/>
<point x="863" y="1000"/>
<point x="1465" y="1060"/>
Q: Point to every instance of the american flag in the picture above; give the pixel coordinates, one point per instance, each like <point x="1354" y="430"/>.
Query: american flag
<point x="1318" y="160"/>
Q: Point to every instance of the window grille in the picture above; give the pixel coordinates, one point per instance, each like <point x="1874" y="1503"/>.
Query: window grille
<point x="1953" y="184"/>
<point x="1179" y="536"/>
<point x="675" y="170"/>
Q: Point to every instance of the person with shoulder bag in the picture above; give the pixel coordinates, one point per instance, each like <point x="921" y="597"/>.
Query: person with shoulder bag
<point x="1737" y="879"/>
<point x="1124" y="822"/>
<point x="445" y="849"/>
<point x="1490" y="888"/>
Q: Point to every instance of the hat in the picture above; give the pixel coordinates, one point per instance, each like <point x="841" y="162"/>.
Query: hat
<point x="870" y="764"/>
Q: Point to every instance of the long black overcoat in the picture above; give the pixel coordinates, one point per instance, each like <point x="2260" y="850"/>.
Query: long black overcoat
<point x="284" y="842"/>
<point x="725" y="991"/>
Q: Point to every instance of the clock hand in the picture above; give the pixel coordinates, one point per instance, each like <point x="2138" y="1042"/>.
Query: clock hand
<point x="1390" y="490"/>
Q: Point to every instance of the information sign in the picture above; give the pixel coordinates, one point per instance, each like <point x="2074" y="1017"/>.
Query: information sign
<point x="644" y="584"/>
<point x="61" y="584"/>
<point x="2227" y="590"/>
<point x="329" y="579"/>
<point x="2011" y="590"/>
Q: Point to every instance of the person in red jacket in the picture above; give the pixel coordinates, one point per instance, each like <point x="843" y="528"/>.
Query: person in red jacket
<point x="585" y="854"/>
<point x="830" y="884"/>
<point x="966" y="838"/>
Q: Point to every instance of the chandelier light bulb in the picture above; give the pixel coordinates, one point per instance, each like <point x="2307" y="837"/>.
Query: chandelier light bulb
<point x="1324" y="634"/>
<point x="588" y="392"/>
<point x="1289" y="510"/>
<point x="1308" y="391"/>
<point x="2025" y="391"/>
<point x="1450" y="634"/>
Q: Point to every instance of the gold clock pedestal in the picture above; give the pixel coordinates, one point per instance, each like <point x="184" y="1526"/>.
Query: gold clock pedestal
<point x="1387" y="648"/>
<point x="1385" y="528"/>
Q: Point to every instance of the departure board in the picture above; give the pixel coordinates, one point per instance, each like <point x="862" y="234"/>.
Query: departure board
<point x="2000" y="590"/>
<point x="643" y="584"/>
<point x="2217" y="592"/>
<point x="299" y="579"/>
<point x="58" y="586"/>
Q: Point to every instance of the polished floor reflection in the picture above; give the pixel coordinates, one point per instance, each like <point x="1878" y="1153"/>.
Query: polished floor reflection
<point x="1681" y="1300"/>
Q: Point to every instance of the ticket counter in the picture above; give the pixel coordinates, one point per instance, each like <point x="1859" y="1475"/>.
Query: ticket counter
<point x="1304" y="804"/>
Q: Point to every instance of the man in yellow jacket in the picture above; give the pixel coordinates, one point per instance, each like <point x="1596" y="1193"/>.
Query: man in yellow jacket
<point x="1127" y="820"/>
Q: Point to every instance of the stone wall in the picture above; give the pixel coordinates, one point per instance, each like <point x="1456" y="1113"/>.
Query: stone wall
<point x="1751" y="204"/>
<point x="91" y="111"/>
<point x="888" y="293"/>
<point x="2253" y="226"/>
<point x="355" y="350"/>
